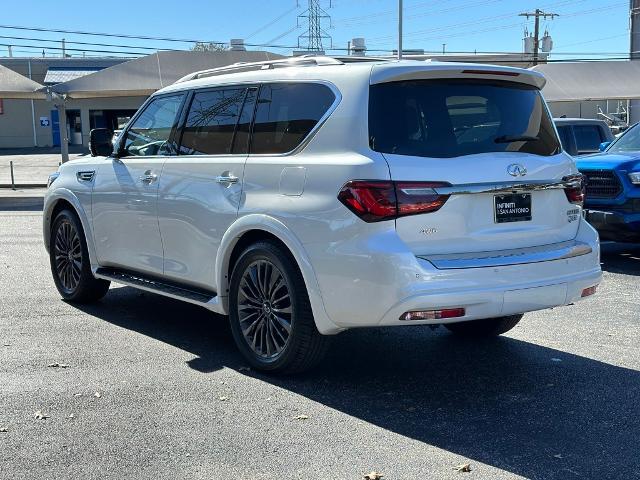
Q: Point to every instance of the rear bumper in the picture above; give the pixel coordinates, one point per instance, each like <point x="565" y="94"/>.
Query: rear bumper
<point x="506" y="299"/>
<point x="372" y="281"/>
<point x="614" y="225"/>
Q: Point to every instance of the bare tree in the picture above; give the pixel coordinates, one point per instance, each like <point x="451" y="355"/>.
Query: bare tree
<point x="208" y="47"/>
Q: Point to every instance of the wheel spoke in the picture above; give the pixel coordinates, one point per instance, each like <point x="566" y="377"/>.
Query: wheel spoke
<point x="283" y="323"/>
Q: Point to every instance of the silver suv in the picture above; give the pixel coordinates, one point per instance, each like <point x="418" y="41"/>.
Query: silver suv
<point x="309" y="196"/>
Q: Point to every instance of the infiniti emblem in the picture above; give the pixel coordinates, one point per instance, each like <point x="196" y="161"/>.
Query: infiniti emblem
<point x="516" y="170"/>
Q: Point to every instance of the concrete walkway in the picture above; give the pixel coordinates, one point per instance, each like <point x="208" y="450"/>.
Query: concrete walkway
<point x="31" y="167"/>
<point x="22" y="198"/>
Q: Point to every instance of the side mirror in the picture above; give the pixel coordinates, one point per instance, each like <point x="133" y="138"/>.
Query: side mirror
<point x="100" y="142"/>
<point x="604" y="146"/>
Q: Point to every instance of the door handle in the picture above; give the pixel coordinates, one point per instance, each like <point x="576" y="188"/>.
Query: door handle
<point x="148" y="177"/>
<point x="227" y="179"/>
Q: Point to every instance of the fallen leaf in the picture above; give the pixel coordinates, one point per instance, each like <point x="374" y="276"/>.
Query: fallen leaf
<point x="58" y="365"/>
<point x="71" y="416"/>
<point x="4" y="429"/>
<point x="464" y="467"/>
<point x="97" y="394"/>
<point x="373" y="475"/>
<point x="38" y="415"/>
<point x="558" y="456"/>
<point x="77" y="394"/>
<point x="223" y="398"/>
<point x="301" y="417"/>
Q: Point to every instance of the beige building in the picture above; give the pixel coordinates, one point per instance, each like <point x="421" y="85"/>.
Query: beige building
<point x="97" y="93"/>
<point x="28" y="123"/>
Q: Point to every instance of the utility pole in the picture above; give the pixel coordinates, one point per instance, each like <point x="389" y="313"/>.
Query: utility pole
<point x="399" y="29"/>
<point x="536" y="35"/>
<point x="633" y="107"/>
<point x="634" y="28"/>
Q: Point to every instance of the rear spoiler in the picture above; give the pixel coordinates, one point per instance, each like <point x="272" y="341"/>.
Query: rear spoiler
<point x="414" y="70"/>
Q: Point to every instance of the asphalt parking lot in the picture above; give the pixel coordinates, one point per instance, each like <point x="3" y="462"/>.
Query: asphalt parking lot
<point x="154" y="388"/>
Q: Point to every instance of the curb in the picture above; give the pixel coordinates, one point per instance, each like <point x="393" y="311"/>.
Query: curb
<point x="19" y="186"/>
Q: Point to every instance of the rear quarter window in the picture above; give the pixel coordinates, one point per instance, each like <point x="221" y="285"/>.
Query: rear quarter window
<point x="286" y="113"/>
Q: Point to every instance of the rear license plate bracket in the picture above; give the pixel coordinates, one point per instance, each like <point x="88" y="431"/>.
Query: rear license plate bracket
<point x="512" y="207"/>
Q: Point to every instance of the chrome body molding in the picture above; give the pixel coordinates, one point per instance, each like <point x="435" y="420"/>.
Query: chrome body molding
<point x="517" y="256"/>
<point x="571" y="181"/>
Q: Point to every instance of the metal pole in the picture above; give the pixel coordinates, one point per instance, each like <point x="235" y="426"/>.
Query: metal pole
<point x="64" y="49"/>
<point x="64" y="138"/>
<point x="536" y="33"/>
<point x="13" y="182"/>
<point x="399" y="29"/>
<point x="10" y="51"/>
<point x="33" y="114"/>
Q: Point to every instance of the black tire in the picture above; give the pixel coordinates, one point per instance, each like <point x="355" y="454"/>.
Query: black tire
<point x="489" y="327"/>
<point x="67" y="248"/>
<point x="266" y="273"/>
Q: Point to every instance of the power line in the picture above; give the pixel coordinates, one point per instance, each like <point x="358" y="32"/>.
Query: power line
<point x="268" y="24"/>
<point x="116" y="35"/>
<point x="80" y="43"/>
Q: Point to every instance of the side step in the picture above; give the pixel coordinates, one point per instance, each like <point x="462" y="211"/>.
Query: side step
<point x="161" y="287"/>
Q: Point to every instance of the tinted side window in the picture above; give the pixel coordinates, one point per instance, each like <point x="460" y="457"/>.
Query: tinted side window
<point x="149" y="134"/>
<point x="286" y="113"/>
<point x="211" y="122"/>
<point x="588" y="138"/>
<point x="241" y="140"/>
<point x="564" y="131"/>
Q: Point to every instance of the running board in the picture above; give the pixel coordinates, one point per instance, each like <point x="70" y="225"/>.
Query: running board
<point x="160" y="287"/>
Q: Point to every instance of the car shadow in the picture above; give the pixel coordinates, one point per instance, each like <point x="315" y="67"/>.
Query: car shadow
<point x="527" y="409"/>
<point x="621" y="258"/>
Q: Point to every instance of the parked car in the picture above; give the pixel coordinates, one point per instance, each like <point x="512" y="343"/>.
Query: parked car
<point x="613" y="187"/>
<point x="582" y="136"/>
<point x="309" y="196"/>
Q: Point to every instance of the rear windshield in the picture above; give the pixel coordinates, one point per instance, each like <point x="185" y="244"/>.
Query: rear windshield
<point x="451" y="118"/>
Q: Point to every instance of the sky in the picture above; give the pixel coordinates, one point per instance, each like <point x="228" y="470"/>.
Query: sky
<point x="583" y="29"/>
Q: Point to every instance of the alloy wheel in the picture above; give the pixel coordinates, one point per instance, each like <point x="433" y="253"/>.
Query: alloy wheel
<point x="265" y="309"/>
<point x="68" y="256"/>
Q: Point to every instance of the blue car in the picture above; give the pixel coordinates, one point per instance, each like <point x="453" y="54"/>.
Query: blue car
<point x="612" y="201"/>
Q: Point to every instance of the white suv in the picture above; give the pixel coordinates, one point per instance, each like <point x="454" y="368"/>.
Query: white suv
<point x="309" y="196"/>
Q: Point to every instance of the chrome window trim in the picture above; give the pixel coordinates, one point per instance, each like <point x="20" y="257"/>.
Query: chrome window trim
<point x="502" y="258"/>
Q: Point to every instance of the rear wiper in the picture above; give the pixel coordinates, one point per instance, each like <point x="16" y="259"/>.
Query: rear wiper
<point x="515" y="138"/>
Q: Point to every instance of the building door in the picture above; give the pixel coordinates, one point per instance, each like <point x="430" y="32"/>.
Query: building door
<point x="55" y="127"/>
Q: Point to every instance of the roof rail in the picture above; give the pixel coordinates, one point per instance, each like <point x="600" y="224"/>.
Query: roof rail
<point x="301" y="61"/>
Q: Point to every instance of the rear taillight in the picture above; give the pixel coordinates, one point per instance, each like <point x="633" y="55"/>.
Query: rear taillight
<point x="575" y="194"/>
<point x="374" y="201"/>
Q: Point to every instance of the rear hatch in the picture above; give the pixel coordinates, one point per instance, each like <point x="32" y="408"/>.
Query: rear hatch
<point x="457" y="139"/>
